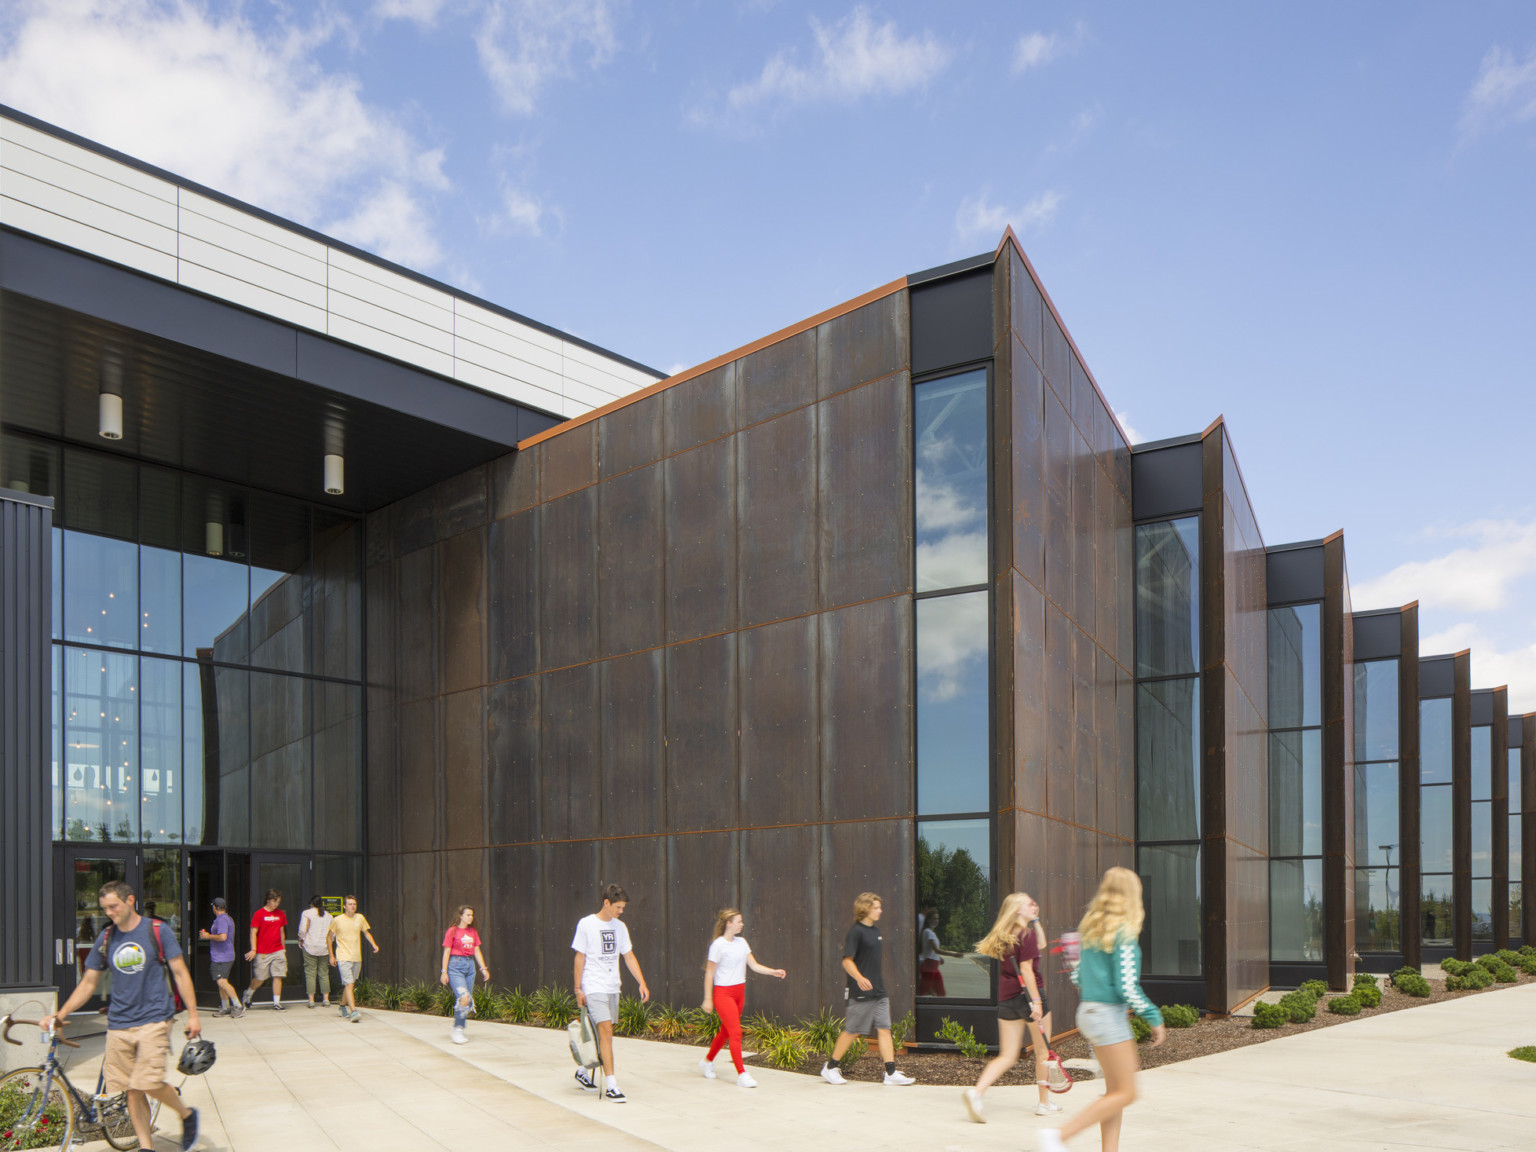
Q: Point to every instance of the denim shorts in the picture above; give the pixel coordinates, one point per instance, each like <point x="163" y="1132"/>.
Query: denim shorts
<point x="1103" y="1024"/>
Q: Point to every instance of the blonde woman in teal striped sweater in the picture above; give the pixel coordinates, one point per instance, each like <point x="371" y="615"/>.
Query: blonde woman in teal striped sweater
<point x="1108" y="978"/>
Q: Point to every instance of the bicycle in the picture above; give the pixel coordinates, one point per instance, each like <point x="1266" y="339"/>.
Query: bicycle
<point x="40" y="1108"/>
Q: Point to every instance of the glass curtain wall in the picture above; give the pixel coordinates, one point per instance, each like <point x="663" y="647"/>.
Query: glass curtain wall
<point x="954" y="676"/>
<point x="1296" y="783"/>
<point x="1168" y="743"/>
<point x="1516" y="811"/>
<point x="1378" y="851"/>
<point x="1482" y="832"/>
<point x="207" y="663"/>
<point x="1435" y="907"/>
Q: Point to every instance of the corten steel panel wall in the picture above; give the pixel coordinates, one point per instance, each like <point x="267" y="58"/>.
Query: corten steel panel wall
<point x="1064" y="595"/>
<point x="26" y="920"/>
<point x="1234" y="707"/>
<point x="1338" y="767"/>
<point x="1500" y="807"/>
<point x="670" y="647"/>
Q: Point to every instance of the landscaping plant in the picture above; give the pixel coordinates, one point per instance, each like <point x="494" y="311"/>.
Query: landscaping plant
<point x="1365" y="979"/>
<point x="1369" y="995"/>
<point x="1269" y="1015"/>
<point x="1524" y="1052"/>
<point x="634" y="1017"/>
<point x="1180" y="1016"/>
<point x="1318" y="988"/>
<point x="670" y="1022"/>
<point x="1344" y="1005"/>
<point x="901" y="1030"/>
<point x="366" y="992"/>
<point x="392" y="996"/>
<point x="517" y="1006"/>
<point x="822" y="1030"/>
<point x="487" y="1003"/>
<point x="1140" y="1029"/>
<point x="421" y="994"/>
<point x="1410" y="982"/>
<point x="442" y="1001"/>
<point x="1300" y="1005"/>
<point x="961" y="1037"/>
<point x="785" y="1048"/>
<point x="555" y="1007"/>
<point x="854" y="1054"/>
<point x="704" y="1025"/>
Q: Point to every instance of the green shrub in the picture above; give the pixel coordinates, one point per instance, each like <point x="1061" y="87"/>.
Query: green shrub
<point x="1528" y="965"/>
<point x="1509" y="956"/>
<point x="1478" y="978"/>
<point x="554" y="1007"/>
<point x="761" y="1029"/>
<point x="703" y="1024"/>
<point x="442" y="1001"/>
<point x="669" y="1022"/>
<point x="1345" y="1005"/>
<point x="1318" y="988"/>
<point x="1411" y="983"/>
<point x="1180" y="1016"/>
<point x="1454" y="967"/>
<point x="1528" y="951"/>
<point x="1140" y="1029"/>
<point x="421" y="995"/>
<point x="785" y="1048"/>
<point x="516" y="1006"/>
<point x="822" y="1030"/>
<point x="902" y="1029"/>
<point x="365" y="992"/>
<point x="634" y="1017"/>
<point x="1365" y="980"/>
<point x="1524" y="1052"/>
<point x="1369" y="996"/>
<point x="487" y="1003"/>
<point x="961" y="1037"/>
<point x="1269" y="1015"/>
<point x="1504" y="974"/>
<point x="1487" y="962"/>
<point x="392" y="996"/>
<point x="1299" y="1006"/>
<point x="855" y="1053"/>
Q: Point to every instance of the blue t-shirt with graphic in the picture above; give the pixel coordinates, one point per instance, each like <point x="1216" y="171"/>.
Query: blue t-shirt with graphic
<point x="140" y="994"/>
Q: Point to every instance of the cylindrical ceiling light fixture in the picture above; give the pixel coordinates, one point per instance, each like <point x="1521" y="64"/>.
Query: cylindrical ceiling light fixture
<point x="335" y="475"/>
<point x="109" y="405"/>
<point x="213" y="526"/>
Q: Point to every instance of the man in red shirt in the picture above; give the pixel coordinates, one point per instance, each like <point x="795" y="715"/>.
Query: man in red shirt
<point x="267" y="955"/>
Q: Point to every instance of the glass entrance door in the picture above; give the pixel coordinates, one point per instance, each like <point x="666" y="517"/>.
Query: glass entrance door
<point x="293" y="876"/>
<point x="79" y="918"/>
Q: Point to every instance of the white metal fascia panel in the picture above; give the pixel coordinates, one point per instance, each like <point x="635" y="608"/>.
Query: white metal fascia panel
<point x="389" y="344"/>
<point x="487" y="323"/>
<point x="518" y="390"/>
<point x="600" y="378"/>
<point x="466" y="352"/>
<point x="93" y="213"/>
<point x="604" y="362"/>
<point x="199" y="254"/>
<point x="583" y="398"/>
<point x="390" y="290"/>
<point x="21" y="161"/>
<point x="87" y="161"/>
<point x="250" y="293"/>
<point x="85" y="238"/>
<point x="253" y="254"/>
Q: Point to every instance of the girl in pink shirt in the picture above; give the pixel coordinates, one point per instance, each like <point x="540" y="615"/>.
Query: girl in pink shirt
<point x="461" y="956"/>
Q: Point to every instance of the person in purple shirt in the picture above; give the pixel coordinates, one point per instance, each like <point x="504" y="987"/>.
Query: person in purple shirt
<point x="221" y="957"/>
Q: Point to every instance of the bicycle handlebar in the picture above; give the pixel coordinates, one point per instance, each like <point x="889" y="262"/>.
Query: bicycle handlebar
<point x="5" y="1033"/>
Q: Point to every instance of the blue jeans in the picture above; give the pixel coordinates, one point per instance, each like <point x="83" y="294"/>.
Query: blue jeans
<point x="461" y="978"/>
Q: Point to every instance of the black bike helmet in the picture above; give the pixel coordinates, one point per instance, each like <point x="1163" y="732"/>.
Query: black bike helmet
<point x="196" y="1058"/>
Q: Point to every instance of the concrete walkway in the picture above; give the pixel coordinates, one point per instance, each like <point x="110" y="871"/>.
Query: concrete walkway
<point x="1431" y="1077"/>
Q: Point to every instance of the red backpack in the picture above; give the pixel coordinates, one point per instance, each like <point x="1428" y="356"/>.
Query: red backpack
<point x="155" y="926"/>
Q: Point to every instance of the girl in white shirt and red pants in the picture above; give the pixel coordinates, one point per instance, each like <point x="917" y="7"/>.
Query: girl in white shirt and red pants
<point x="725" y="990"/>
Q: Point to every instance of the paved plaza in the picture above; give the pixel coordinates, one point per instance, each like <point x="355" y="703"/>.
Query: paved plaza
<point x="1431" y="1077"/>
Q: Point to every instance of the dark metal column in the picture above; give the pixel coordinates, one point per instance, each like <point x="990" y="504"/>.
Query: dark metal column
<point x="1411" y="889"/>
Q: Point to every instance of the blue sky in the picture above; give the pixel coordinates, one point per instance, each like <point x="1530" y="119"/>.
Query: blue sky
<point x="1313" y="219"/>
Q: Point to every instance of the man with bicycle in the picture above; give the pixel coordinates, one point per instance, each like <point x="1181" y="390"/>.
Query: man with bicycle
<point x="141" y="952"/>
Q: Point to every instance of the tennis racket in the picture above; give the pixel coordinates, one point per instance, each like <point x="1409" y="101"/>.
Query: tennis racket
<point x="1057" y="1078"/>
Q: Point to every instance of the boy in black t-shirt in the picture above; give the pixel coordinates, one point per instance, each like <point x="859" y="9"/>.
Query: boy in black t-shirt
<point x="869" y="1009"/>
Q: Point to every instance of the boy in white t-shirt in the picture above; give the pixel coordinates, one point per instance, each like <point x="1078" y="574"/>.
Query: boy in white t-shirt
<point x="599" y="942"/>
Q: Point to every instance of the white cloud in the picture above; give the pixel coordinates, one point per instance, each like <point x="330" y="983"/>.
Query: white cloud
<point x="854" y="58"/>
<point x="424" y="12"/>
<point x="1492" y="663"/>
<point x="250" y="112"/>
<point x="521" y="212"/>
<point x="1475" y="577"/>
<point x="1131" y="434"/>
<point x="1037" y="49"/>
<point x="1503" y="93"/>
<point x="979" y="219"/>
<point x="952" y="644"/>
<point x="524" y="44"/>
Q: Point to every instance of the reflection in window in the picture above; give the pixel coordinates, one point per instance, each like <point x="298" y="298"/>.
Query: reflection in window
<point x="952" y="704"/>
<point x="951" y="479"/>
<point x="101" y="746"/>
<point x="1435" y="910"/>
<point x="1482" y="838"/>
<point x="1167" y="598"/>
<point x="216" y="596"/>
<point x="1295" y="666"/>
<point x="1435" y="741"/>
<point x="1296" y="910"/>
<point x="954" y="886"/>
<point x="1296" y="793"/>
<point x="216" y="738"/>
<point x="1376" y="710"/>
<point x="1514" y="778"/>
<point x="162" y="888"/>
<point x="1168" y="759"/>
<point x="1514" y="847"/>
<point x="1378" y="926"/>
<point x="1435" y="828"/>
<point x="1482" y="909"/>
<point x="56" y="731"/>
<point x="1376" y="814"/>
<point x="1482" y="762"/>
<point x="101" y="590"/>
<point x="160" y="777"/>
<point x="1170" y="876"/>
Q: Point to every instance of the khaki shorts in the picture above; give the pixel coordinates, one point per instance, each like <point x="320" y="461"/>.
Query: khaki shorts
<point x="136" y="1057"/>
<point x="269" y="964"/>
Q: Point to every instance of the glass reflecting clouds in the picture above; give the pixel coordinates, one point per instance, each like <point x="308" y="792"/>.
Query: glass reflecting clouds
<point x="1435" y="828"/>
<point x="1376" y="710"/>
<point x="1376" y="814"/>
<point x="1167" y="597"/>
<point x="1296" y="793"/>
<point x="1171" y="941"/>
<point x="1514" y="780"/>
<point x="1435" y="741"/>
<point x="1295" y="666"/>
<point x="952" y="704"/>
<point x="1514" y="846"/>
<point x="1482" y="838"/>
<point x="954" y="880"/>
<point x="951" y="481"/>
<point x="1482" y="909"/>
<point x="1482" y="762"/>
<point x="1296" y="909"/>
<point x="1168" y="759"/>
<point x="160" y="776"/>
<point x="101" y="746"/>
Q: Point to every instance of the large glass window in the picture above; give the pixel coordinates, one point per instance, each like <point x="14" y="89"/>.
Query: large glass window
<point x="1482" y="832"/>
<point x="1168" y="759"/>
<point x="1435" y="822"/>
<point x="1435" y="741"/>
<point x="1296" y="783"/>
<point x="1376" y="814"/>
<point x="1482" y="762"/>
<point x="1296" y="793"/>
<point x="1516" y="808"/>
<point x="1171" y="938"/>
<point x="1378" y="926"/>
<point x="1435" y="910"/>
<point x="1435" y="828"/>
<point x="101" y="746"/>
<point x="1296" y="909"/>
<point x="1168" y="597"/>
<point x="1376" y="719"/>
<point x="1378" y="848"/>
<point x="953" y="625"/>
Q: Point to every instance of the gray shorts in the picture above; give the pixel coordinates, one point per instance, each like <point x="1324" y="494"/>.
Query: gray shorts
<point x="866" y="1016"/>
<point x="220" y="969"/>
<point x="603" y="1006"/>
<point x="349" y="970"/>
<point x="270" y="964"/>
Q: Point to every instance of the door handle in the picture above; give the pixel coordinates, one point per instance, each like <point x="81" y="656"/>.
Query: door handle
<point x="58" y="951"/>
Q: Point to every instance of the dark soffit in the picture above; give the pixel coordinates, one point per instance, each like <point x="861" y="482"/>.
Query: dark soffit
<point x="1294" y="572"/>
<point x="1437" y="677"/>
<point x="1378" y="634"/>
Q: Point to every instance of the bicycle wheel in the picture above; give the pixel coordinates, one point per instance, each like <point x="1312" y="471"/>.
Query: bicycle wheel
<point x="31" y="1117"/>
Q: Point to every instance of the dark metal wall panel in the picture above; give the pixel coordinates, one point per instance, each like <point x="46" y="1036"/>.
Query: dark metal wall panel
<point x="1410" y="871"/>
<point x="1059" y="552"/>
<point x="1338" y="765"/>
<point x="699" y="410"/>
<point x="416" y="575"/>
<point x="952" y="320"/>
<point x="630" y="579"/>
<point x="419" y="774"/>
<point x="512" y="760"/>
<point x="870" y="856"/>
<point x="865" y="477"/>
<point x="777" y="379"/>
<point x="634" y="719"/>
<point x="862" y="345"/>
<point x="867" y="710"/>
<point x="701" y="880"/>
<point x="461" y="596"/>
<point x="420" y="914"/>
<point x="776" y="513"/>
<point x="639" y="865"/>
<point x="512" y="600"/>
<point x="1528" y="825"/>
<point x="1295" y="574"/>
<point x="629" y="437"/>
<point x="1378" y="635"/>
<point x="1030" y="677"/>
<point x="464" y="775"/>
<point x="518" y="891"/>
<point x="573" y="882"/>
<point x="26" y="660"/>
<point x="1501" y="808"/>
<point x="1166" y="481"/>
<point x="700" y="541"/>
<point x="514" y="482"/>
<point x="569" y="462"/>
<point x="1027" y="454"/>
<point x="780" y="765"/>
<point x="1437" y="678"/>
<point x="702" y="790"/>
<point x="570" y="755"/>
<point x="781" y="904"/>
<point x="568" y="579"/>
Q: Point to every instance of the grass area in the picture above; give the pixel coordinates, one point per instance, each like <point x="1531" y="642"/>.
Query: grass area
<point x="1524" y="1052"/>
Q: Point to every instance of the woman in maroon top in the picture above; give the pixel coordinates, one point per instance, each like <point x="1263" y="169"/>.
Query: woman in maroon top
<point x="1018" y="942"/>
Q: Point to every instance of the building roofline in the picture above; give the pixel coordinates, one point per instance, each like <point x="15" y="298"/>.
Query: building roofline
<point x="148" y="169"/>
<point x="1296" y="546"/>
<point x="1168" y="442"/>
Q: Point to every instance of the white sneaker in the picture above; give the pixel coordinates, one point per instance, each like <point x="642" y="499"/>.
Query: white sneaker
<point x="1049" y="1140"/>
<point x="1047" y="1109"/>
<point x="744" y="1080"/>
<point x="899" y="1077"/>
<point x="833" y="1075"/>
<point x="459" y="1037"/>
<point x="708" y="1068"/>
<point x="972" y="1100"/>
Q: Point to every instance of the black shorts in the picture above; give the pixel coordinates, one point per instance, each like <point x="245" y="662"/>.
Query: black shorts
<point x="1017" y="1007"/>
